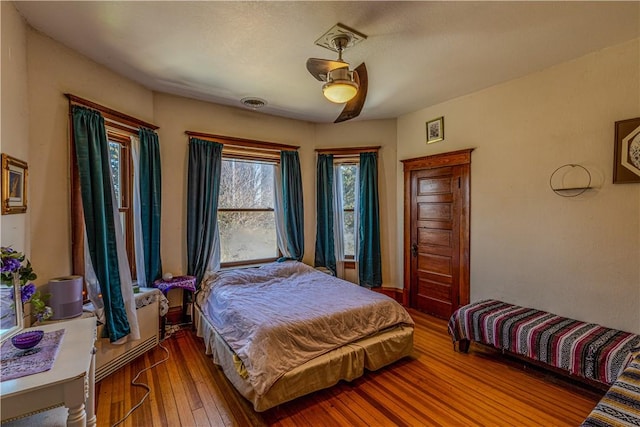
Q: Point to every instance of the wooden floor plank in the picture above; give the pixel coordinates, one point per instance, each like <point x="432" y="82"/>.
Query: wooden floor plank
<point x="434" y="386"/>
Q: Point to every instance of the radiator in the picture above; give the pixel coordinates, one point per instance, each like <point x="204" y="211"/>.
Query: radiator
<point x="111" y="357"/>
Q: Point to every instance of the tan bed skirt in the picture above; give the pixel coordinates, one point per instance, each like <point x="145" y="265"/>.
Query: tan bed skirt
<point x="344" y="363"/>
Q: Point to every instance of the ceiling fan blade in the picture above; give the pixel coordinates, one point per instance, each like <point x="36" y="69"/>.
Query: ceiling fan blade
<point x="354" y="106"/>
<point x="320" y="67"/>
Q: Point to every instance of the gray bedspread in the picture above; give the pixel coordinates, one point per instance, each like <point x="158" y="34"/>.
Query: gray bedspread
<point x="281" y="315"/>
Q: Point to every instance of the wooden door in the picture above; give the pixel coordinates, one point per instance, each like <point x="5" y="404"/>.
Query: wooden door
<point x="437" y="232"/>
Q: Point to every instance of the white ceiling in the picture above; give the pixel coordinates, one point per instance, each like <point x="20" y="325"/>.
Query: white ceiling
<point x="417" y="53"/>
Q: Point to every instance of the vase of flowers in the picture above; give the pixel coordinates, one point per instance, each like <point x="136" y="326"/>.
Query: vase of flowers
<point x="15" y="266"/>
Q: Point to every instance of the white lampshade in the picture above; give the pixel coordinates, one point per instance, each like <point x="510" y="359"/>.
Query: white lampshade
<point x="340" y="86"/>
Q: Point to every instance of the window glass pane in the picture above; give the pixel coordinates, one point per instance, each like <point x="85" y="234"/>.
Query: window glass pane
<point x="349" y="236"/>
<point x="247" y="235"/>
<point x="246" y="184"/>
<point x="115" y="158"/>
<point x="349" y="175"/>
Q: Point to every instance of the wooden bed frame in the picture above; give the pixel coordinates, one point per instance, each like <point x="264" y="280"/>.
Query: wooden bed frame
<point x="345" y="363"/>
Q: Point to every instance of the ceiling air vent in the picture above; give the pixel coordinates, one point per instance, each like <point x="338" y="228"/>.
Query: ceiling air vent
<point x="253" y="103"/>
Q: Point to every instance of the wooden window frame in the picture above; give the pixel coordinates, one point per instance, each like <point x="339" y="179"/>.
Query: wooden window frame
<point x="349" y="260"/>
<point x="126" y="193"/>
<point x="257" y="261"/>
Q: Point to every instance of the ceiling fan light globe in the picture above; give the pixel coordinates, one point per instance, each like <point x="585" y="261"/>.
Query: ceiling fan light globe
<point x="340" y="91"/>
<point x="340" y="86"/>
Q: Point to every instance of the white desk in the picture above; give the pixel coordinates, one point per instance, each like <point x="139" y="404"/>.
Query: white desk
<point x="69" y="383"/>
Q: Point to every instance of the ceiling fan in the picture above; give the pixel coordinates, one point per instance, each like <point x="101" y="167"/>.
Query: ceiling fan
<point x="342" y="85"/>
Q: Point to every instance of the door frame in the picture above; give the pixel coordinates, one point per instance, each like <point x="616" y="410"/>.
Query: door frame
<point x="453" y="158"/>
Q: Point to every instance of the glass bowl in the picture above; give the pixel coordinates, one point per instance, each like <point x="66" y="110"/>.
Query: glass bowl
<point x="27" y="340"/>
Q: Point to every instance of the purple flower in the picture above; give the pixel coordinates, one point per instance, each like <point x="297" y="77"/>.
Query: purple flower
<point x="10" y="265"/>
<point x="27" y="292"/>
<point x="44" y="314"/>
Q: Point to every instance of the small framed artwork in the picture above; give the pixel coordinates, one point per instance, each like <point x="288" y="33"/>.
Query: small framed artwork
<point x="14" y="185"/>
<point x="626" y="151"/>
<point x="435" y="130"/>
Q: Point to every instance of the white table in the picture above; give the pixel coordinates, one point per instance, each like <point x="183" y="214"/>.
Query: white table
<point x="69" y="383"/>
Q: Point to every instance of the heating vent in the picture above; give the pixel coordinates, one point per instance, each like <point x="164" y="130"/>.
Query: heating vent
<point x="111" y="357"/>
<point x="126" y="357"/>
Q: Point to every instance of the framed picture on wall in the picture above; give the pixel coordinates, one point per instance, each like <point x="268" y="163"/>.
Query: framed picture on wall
<point x="14" y="185"/>
<point x="435" y="130"/>
<point x="626" y="151"/>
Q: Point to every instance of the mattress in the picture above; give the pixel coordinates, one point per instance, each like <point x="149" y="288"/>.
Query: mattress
<point x="346" y="363"/>
<point x="288" y="319"/>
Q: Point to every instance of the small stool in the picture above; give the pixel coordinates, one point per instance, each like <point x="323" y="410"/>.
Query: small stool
<point x="186" y="283"/>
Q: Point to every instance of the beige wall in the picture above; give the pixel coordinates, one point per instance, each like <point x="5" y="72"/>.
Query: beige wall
<point x="14" y="122"/>
<point x="580" y="256"/>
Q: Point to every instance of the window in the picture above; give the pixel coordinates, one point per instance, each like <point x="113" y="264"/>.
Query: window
<point x="119" y="128"/>
<point x="246" y="217"/>
<point x="347" y="181"/>
<point x="121" y="175"/>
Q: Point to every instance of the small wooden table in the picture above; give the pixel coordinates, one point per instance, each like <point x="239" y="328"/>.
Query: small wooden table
<point x="186" y="283"/>
<point x="69" y="383"/>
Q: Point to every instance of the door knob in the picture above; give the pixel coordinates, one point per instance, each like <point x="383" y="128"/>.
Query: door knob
<point x="414" y="250"/>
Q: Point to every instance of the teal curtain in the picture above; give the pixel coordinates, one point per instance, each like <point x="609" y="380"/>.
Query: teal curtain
<point x="292" y="203"/>
<point x="150" y="203"/>
<point x="325" y="247"/>
<point x="203" y="189"/>
<point x="92" y="153"/>
<point x="369" y="259"/>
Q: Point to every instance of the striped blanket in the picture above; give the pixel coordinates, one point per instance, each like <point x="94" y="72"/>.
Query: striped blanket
<point x="584" y="349"/>
<point x="621" y="405"/>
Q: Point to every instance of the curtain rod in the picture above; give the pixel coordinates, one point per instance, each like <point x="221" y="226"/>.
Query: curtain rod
<point x="109" y="113"/>
<point x="348" y="150"/>
<point x="241" y="142"/>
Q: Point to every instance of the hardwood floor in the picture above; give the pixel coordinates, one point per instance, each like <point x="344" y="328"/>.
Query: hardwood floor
<point x="434" y="387"/>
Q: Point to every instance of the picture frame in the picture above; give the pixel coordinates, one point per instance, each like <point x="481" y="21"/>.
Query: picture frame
<point x="626" y="151"/>
<point x="435" y="130"/>
<point x="14" y="185"/>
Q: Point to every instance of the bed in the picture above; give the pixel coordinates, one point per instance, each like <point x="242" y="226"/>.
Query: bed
<point x="284" y="330"/>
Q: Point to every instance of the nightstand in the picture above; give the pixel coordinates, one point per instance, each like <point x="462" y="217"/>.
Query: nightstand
<point x="186" y="283"/>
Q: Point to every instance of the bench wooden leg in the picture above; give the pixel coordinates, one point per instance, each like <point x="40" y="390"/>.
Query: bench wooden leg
<point x="463" y="346"/>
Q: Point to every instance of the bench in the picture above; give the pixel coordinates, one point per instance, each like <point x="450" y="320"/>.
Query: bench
<point x="586" y="350"/>
<point x="620" y="406"/>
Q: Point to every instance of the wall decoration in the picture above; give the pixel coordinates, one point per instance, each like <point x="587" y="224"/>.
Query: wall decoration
<point x="626" y="161"/>
<point x="570" y="180"/>
<point x="435" y="130"/>
<point x="14" y="185"/>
